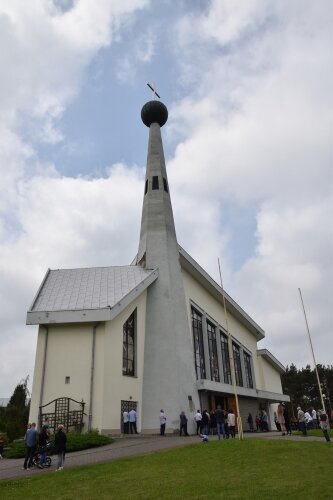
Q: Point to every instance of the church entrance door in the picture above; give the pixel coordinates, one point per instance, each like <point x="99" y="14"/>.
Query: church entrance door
<point x="126" y="406"/>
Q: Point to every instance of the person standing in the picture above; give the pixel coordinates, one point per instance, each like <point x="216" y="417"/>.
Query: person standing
<point x="31" y="437"/>
<point x="132" y="421"/>
<point x="325" y="426"/>
<point x="162" y="423"/>
<point x="280" y="417"/>
<point x="250" y="422"/>
<point x="126" y="422"/>
<point x="232" y="423"/>
<point x="183" y="424"/>
<point x="287" y="420"/>
<point x="212" y="422"/>
<point x="314" y="418"/>
<point x="220" y="417"/>
<point x="258" y="423"/>
<point x="301" y="421"/>
<point x="264" y="420"/>
<point x="60" y="440"/>
<point x="46" y="423"/>
<point x="42" y="444"/>
<point x="308" y="420"/>
<point x="205" y="422"/>
<point x="198" y="421"/>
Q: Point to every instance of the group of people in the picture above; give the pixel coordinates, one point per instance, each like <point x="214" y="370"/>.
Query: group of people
<point x="35" y="440"/>
<point x="223" y="421"/>
<point x="261" y="421"/>
<point x="309" y="420"/>
<point x="129" y="421"/>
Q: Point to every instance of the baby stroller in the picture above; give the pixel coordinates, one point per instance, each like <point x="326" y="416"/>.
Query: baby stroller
<point x="37" y="456"/>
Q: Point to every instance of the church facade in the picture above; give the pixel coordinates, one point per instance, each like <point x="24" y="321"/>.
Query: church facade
<point x="152" y="335"/>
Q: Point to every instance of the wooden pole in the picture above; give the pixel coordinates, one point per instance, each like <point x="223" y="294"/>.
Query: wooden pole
<point x="311" y="347"/>
<point x="231" y="359"/>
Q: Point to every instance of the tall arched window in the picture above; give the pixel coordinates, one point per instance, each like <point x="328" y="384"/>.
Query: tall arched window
<point x="129" y="344"/>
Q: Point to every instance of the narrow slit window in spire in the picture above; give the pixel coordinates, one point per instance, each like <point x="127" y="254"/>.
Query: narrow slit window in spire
<point x="165" y="184"/>
<point x="155" y="182"/>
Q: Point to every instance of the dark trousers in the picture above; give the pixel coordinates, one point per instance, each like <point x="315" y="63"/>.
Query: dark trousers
<point x="29" y="455"/>
<point x="162" y="429"/>
<point x="183" y="427"/>
<point x="133" y="428"/>
<point x="199" y="425"/>
<point x="327" y="437"/>
<point x="126" y="427"/>
<point x="302" y="428"/>
<point x="220" y="429"/>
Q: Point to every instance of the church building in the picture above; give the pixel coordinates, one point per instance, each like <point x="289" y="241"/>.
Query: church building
<point x="151" y="335"/>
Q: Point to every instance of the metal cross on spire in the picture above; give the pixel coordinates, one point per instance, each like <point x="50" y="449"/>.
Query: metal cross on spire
<point x="152" y="87"/>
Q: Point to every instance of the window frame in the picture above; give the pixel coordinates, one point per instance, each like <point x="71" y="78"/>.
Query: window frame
<point x="198" y="344"/>
<point x="212" y="350"/>
<point x="129" y="331"/>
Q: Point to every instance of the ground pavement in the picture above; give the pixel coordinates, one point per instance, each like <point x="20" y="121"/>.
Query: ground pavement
<point x="124" y="447"/>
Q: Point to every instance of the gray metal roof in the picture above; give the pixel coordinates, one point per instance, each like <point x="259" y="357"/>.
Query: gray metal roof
<point x="87" y="289"/>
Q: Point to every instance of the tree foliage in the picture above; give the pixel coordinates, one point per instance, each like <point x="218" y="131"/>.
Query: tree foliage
<point x="302" y="387"/>
<point x="14" y="418"/>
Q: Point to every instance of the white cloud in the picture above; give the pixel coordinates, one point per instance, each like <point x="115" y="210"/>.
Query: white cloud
<point x="48" y="47"/>
<point x="257" y="131"/>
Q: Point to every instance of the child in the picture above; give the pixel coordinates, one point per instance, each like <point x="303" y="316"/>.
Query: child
<point x="325" y="426"/>
<point x="204" y="437"/>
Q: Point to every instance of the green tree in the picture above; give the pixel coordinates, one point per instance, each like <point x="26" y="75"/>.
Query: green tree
<point x="302" y="387"/>
<point x="17" y="411"/>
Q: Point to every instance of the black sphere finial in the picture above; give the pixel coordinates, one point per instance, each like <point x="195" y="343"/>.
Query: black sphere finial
<point x="154" y="112"/>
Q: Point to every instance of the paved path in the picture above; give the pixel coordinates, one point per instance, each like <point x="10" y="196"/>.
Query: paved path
<point x="125" y="447"/>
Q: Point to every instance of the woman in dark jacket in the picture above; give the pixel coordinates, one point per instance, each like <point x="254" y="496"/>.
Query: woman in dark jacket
<point x="60" y="440"/>
<point x="42" y="443"/>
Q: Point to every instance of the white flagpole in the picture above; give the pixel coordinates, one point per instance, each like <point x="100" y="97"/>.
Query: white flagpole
<point x="231" y="359"/>
<point x="311" y="347"/>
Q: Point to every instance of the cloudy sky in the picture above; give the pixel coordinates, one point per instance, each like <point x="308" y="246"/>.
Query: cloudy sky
<point x="248" y="146"/>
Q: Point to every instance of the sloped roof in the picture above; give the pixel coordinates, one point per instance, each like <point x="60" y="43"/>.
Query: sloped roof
<point x="86" y="290"/>
<point x="268" y="356"/>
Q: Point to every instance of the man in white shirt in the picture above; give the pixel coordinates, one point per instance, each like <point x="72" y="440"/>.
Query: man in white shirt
<point x="301" y="420"/>
<point x="126" y="422"/>
<point x="162" y="423"/>
<point x="314" y="418"/>
<point x="308" y="420"/>
<point x="198" y="419"/>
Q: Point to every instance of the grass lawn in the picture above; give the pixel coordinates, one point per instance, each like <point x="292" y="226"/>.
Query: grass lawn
<point x="313" y="432"/>
<point x="252" y="469"/>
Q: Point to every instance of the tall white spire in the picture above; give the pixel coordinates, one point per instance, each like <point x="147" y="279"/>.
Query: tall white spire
<point x="169" y="374"/>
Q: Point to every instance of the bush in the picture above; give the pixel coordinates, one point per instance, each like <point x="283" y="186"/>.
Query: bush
<point x="75" y="442"/>
<point x="16" y="449"/>
<point x="5" y="438"/>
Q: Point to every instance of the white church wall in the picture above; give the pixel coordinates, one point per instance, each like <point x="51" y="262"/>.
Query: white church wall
<point x="269" y="378"/>
<point x="199" y="295"/>
<point x="37" y="377"/>
<point x="98" y="381"/>
<point x="117" y="386"/>
<point x="196" y="293"/>
<point x="68" y="354"/>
